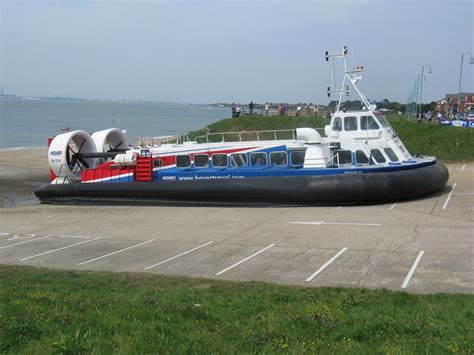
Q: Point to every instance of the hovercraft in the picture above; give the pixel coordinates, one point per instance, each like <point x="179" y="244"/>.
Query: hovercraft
<point x="360" y="160"/>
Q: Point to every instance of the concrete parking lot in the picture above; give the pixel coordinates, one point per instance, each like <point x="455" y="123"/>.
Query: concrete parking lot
<point x="421" y="246"/>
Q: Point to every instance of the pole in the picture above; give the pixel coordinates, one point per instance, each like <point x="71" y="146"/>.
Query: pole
<point x="459" y="88"/>
<point x="421" y="86"/>
<point x="417" y="94"/>
<point x="460" y="77"/>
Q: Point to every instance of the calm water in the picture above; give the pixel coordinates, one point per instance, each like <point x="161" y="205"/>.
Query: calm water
<point x="29" y="123"/>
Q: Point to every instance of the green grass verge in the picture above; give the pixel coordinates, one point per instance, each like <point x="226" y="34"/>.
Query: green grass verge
<point x="448" y="144"/>
<point x="43" y="311"/>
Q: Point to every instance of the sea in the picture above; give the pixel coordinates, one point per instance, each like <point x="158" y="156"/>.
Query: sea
<point x="29" y="122"/>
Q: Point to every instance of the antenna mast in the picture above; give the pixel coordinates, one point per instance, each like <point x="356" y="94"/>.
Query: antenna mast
<point x="353" y="76"/>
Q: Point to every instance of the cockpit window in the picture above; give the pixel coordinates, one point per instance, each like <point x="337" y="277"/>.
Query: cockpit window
<point x="344" y="157"/>
<point x="361" y="158"/>
<point x="368" y="122"/>
<point x="383" y="121"/>
<point x="391" y="154"/>
<point x="337" y="124"/>
<point x="350" y="123"/>
<point x="378" y="156"/>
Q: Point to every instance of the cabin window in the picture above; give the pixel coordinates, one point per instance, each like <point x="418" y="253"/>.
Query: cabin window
<point x="183" y="161"/>
<point x="297" y="157"/>
<point x="337" y="124"/>
<point x="378" y="156"/>
<point x="383" y="121"/>
<point x="201" y="160"/>
<point x="278" y="158"/>
<point x="350" y="123"/>
<point x="391" y="154"/>
<point x="368" y="122"/>
<point x="219" y="160"/>
<point x="258" y="159"/>
<point x="237" y="160"/>
<point x="157" y="163"/>
<point x="345" y="156"/>
<point x="361" y="158"/>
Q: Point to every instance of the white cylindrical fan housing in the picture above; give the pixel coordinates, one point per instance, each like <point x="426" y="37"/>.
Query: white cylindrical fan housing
<point x="108" y="139"/>
<point x="60" y="160"/>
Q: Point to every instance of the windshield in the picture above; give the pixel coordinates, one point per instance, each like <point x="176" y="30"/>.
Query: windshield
<point x="383" y="121"/>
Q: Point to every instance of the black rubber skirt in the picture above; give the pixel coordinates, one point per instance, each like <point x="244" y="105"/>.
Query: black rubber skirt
<point x="358" y="188"/>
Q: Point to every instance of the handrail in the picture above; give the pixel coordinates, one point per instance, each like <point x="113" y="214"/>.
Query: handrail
<point x="65" y="177"/>
<point x="258" y="134"/>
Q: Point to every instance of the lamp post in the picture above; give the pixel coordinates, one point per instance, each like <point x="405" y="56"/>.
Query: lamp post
<point x="460" y="77"/>
<point x="415" y="101"/>
<point x="423" y="79"/>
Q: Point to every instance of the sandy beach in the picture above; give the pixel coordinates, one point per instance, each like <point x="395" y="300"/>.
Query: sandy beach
<point x="21" y="172"/>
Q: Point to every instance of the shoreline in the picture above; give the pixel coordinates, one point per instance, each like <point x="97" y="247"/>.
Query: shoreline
<point x="20" y="148"/>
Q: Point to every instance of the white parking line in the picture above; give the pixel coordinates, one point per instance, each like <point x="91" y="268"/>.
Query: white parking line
<point x="449" y="196"/>
<point x="393" y="206"/>
<point x="336" y="223"/>
<point x="74" y="237"/>
<point x="412" y="270"/>
<point x="27" y="241"/>
<point x="244" y="260"/>
<point x="59" y="249"/>
<point x="463" y="167"/>
<point x="22" y="236"/>
<point x="326" y="264"/>
<point x="116" y="252"/>
<point x="2" y="234"/>
<point x="177" y="256"/>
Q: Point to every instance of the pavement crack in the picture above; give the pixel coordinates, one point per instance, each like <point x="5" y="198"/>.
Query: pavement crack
<point x="370" y="268"/>
<point x="241" y="232"/>
<point x="416" y="235"/>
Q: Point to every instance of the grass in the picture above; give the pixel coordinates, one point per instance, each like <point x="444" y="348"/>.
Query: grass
<point x="43" y="311"/>
<point x="448" y="144"/>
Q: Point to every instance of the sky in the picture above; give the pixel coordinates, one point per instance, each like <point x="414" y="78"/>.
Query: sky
<point x="231" y="51"/>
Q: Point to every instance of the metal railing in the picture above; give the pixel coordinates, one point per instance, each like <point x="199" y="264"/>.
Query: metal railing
<point x="65" y="178"/>
<point x="243" y="136"/>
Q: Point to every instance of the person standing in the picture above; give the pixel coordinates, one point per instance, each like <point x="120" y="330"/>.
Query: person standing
<point x="298" y="110"/>
<point x="267" y="108"/>
<point x="280" y="109"/>
<point x="251" y="107"/>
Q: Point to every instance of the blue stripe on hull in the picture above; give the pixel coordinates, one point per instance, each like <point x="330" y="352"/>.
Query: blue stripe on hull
<point x="180" y="174"/>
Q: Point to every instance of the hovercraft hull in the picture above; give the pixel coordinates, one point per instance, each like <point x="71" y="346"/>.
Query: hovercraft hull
<point x="357" y="188"/>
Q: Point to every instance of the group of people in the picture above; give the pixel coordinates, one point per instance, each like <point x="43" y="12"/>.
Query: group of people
<point x="425" y="116"/>
<point x="283" y="109"/>
<point x="301" y="109"/>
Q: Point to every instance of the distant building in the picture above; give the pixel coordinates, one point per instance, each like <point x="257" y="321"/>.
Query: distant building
<point x="450" y="102"/>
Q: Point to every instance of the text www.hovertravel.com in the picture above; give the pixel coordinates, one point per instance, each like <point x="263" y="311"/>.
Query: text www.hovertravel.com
<point x="211" y="177"/>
